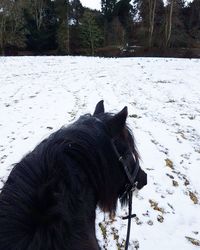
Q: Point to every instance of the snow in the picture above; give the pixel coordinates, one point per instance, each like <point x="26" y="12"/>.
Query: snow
<point x="40" y="94"/>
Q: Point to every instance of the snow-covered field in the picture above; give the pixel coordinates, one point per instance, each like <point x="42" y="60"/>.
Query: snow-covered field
<point x="40" y="94"/>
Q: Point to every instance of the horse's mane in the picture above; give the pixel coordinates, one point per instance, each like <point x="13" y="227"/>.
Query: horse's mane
<point x="51" y="195"/>
<point x="80" y="151"/>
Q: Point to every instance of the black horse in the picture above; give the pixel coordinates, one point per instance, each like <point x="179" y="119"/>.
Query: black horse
<point x="50" y="197"/>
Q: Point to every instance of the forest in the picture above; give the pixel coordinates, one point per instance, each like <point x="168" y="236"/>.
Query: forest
<point x="120" y="28"/>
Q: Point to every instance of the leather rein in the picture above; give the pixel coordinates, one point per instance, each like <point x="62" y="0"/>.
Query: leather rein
<point x="132" y="186"/>
<point x="133" y="183"/>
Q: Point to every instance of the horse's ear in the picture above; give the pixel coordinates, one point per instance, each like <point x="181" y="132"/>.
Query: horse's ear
<point x="99" y="108"/>
<point x="116" y="124"/>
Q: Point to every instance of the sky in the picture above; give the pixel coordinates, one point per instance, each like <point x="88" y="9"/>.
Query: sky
<point x="96" y="4"/>
<point x="93" y="4"/>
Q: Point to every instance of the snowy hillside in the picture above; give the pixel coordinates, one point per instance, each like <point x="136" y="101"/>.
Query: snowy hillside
<point x="40" y="94"/>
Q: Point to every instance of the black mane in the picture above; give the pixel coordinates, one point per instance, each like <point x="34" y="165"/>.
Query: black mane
<point x="50" y="197"/>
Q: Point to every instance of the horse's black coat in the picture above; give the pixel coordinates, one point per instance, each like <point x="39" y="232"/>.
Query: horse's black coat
<point x="50" y="197"/>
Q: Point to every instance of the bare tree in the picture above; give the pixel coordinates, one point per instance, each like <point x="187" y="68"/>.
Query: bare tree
<point x="168" y="23"/>
<point x="12" y="32"/>
<point x="147" y="11"/>
<point x="38" y="11"/>
<point x="2" y="33"/>
<point x="152" y="9"/>
<point x="4" y="14"/>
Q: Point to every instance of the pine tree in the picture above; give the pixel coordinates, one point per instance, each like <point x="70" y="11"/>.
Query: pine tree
<point x="76" y="11"/>
<point x="192" y="21"/>
<point x="63" y="33"/>
<point x="107" y="9"/>
<point x="124" y="12"/>
<point x="159" y="27"/>
<point x="118" y="34"/>
<point x="91" y="35"/>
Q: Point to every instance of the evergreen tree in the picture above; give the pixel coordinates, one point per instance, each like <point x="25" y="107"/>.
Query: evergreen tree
<point x="118" y="35"/>
<point x="63" y="32"/>
<point x="77" y="11"/>
<point x="159" y="27"/>
<point x="91" y="35"/>
<point x="192" y="21"/>
<point x="66" y="26"/>
<point x="107" y="9"/>
<point x="124" y="11"/>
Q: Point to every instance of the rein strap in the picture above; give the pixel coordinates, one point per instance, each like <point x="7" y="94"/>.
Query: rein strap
<point x="131" y="178"/>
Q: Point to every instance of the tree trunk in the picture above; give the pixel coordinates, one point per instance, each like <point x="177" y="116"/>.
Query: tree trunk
<point x="152" y="9"/>
<point x="68" y="29"/>
<point x="68" y="39"/>
<point x="38" y="6"/>
<point x="91" y="39"/>
<point x="168" y="25"/>
<point x="2" y="34"/>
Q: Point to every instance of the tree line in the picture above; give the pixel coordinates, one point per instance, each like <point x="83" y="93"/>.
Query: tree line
<point x="66" y="27"/>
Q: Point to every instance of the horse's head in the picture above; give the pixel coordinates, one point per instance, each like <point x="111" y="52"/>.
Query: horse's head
<point x="122" y="142"/>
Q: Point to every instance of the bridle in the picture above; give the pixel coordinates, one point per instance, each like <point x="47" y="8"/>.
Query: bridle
<point x="131" y="177"/>
<point x="132" y="185"/>
<point x="129" y="191"/>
